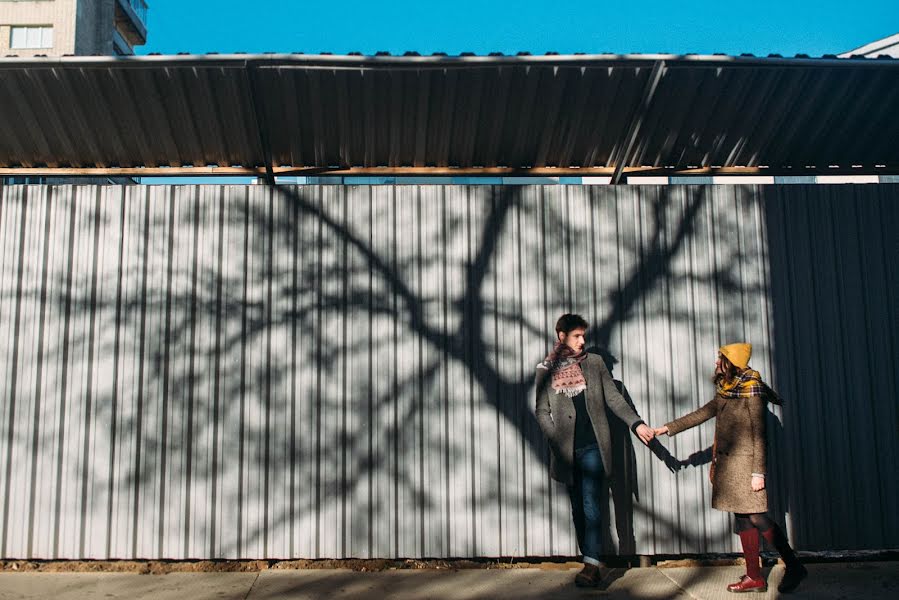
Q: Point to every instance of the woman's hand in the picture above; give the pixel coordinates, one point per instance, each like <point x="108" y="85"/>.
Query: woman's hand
<point x="661" y="430"/>
<point x="758" y="483"/>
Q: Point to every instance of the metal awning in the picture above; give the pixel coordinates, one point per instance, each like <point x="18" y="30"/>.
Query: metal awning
<point x="552" y="114"/>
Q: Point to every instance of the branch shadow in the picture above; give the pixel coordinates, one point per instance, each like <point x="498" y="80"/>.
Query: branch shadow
<point x="322" y="366"/>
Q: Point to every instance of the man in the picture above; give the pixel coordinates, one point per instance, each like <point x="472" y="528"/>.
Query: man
<point x="573" y="390"/>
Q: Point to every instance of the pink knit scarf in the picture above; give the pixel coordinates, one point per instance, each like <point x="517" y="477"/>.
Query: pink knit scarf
<point x="564" y="366"/>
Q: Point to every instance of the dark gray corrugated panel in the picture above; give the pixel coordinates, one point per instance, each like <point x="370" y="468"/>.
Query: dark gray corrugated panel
<point x="337" y="371"/>
<point x="531" y="111"/>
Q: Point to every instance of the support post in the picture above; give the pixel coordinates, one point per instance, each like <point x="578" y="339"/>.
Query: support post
<point x="633" y="131"/>
<point x="261" y="131"/>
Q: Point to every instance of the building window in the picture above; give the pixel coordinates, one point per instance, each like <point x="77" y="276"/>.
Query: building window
<point x="31" y="37"/>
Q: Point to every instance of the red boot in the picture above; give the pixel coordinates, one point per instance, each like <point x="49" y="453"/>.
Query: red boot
<point x="752" y="581"/>
<point x="748" y="584"/>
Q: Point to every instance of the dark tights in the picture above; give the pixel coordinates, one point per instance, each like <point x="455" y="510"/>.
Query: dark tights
<point x="760" y="521"/>
<point x="748" y="527"/>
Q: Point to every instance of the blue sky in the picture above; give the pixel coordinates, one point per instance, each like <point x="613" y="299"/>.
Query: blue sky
<point x="703" y="27"/>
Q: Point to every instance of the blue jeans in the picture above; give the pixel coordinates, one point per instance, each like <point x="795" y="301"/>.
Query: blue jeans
<point x="586" y="494"/>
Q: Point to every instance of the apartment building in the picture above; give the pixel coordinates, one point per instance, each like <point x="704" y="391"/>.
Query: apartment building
<point x="80" y="27"/>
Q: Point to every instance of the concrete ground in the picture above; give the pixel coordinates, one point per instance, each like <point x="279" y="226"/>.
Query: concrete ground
<point x="827" y="581"/>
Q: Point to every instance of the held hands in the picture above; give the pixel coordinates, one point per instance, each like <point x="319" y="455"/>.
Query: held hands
<point x="660" y="430"/>
<point x="758" y="483"/>
<point x="645" y="434"/>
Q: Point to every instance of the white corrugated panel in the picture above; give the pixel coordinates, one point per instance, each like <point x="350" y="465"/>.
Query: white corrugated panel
<point x="346" y="371"/>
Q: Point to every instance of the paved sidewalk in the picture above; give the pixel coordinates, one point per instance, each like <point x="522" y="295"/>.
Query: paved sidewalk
<point x="831" y="581"/>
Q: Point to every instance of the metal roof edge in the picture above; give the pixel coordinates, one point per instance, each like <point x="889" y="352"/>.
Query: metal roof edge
<point x="437" y="61"/>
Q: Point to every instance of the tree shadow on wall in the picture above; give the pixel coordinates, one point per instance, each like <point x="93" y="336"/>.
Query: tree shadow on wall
<point x="297" y="348"/>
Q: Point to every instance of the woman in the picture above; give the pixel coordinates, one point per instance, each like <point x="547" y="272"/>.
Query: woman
<point x="738" y="463"/>
<point x="573" y="390"/>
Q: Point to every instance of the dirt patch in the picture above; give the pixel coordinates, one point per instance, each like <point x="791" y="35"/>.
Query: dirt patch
<point x="159" y="567"/>
<point x="148" y="567"/>
<point x="698" y="562"/>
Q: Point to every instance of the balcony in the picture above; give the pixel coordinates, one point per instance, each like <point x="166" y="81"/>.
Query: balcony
<point x="131" y="21"/>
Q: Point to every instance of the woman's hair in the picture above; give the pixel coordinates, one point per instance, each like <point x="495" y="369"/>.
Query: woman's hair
<point x="730" y="371"/>
<point x="569" y="322"/>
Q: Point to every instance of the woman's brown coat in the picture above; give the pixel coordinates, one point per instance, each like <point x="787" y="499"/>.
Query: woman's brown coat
<point x="740" y="450"/>
<point x="556" y="416"/>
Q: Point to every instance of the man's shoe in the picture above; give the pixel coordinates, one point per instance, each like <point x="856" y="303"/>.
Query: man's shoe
<point x="588" y="577"/>
<point x="793" y="576"/>
<point x="748" y="584"/>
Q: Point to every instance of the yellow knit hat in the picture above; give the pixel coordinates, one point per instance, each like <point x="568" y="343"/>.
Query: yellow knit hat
<point x="738" y="354"/>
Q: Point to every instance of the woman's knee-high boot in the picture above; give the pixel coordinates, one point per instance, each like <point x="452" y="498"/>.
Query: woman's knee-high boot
<point x="795" y="572"/>
<point x="752" y="581"/>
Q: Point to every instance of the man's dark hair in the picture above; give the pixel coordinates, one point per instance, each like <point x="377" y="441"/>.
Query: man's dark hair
<point x="569" y="322"/>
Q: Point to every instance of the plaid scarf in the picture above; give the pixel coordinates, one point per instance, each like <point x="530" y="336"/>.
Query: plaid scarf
<point x="565" y="368"/>
<point x="746" y="385"/>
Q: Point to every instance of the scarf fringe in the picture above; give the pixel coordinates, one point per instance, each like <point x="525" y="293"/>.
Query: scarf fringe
<point x="572" y="391"/>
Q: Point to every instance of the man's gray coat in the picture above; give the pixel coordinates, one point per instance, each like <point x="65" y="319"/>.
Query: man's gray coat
<point x="556" y="416"/>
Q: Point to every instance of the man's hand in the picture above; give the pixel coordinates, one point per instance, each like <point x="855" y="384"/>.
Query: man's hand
<point x="645" y="433"/>
<point x="758" y="483"/>
<point x="660" y="430"/>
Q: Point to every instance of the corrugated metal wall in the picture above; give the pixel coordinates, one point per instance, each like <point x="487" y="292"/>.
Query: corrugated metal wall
<point x="336" y="371"/>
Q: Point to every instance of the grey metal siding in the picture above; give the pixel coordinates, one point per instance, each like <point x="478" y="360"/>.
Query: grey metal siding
<point x="340" y="371"/>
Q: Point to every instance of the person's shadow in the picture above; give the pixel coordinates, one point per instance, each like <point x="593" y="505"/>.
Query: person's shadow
<point x="622" y="487"/>
<point x="778" y="493"/>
